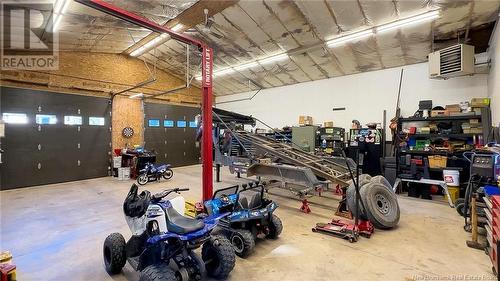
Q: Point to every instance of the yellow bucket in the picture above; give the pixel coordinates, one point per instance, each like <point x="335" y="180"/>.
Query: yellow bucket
<point x="454" y="193"/>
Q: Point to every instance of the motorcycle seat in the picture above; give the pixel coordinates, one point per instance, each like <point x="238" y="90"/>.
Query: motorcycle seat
<point x="180" y="224"/>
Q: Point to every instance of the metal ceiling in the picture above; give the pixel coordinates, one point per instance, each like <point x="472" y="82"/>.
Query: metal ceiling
<point x="249" y="29"/>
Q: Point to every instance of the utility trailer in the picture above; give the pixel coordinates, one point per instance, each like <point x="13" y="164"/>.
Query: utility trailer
<point x="256" y="154"/>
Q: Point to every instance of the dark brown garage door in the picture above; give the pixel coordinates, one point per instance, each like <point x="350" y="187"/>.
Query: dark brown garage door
<point x="170" y="131"/>
<point x="52" y="137"/>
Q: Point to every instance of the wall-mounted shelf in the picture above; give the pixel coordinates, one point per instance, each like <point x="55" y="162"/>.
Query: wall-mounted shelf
<point x="441" y="135"/>
<point x="441" y="118"/>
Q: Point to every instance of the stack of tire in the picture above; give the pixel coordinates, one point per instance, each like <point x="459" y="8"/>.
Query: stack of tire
<point x="380" y="201"/>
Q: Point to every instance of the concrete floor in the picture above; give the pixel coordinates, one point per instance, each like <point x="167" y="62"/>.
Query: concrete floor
<point x="55" y="232"/>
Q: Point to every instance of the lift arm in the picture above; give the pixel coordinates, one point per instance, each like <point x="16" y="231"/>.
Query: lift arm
<point x="207" y="75"/>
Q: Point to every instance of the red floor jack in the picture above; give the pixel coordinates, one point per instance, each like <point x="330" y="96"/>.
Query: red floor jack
<point x="343" y="228"/>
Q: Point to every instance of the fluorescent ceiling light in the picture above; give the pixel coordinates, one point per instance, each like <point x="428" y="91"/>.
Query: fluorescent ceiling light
<point x="56" y="22"/>
<point x="177" y="27"/>
<point x="139" y="95"/>
<point x="219" y="73"/>
<point x="247" y="65"/>
<point x="409" y="21"/>
<point x="65" y="6"/>
<point x="60" y="8"/>
<point x="151" y="44"/>
<point x="273" y="58"/>
<point x="348" y="38"/>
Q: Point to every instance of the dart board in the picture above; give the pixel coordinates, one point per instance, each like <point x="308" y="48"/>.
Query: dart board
<point x="127" y="132"/>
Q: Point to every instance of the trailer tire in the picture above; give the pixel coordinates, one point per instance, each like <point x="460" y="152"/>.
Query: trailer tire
<point x="381" y="204"/>
<point x="351" y="195"/>
<point x="382" y="180"/>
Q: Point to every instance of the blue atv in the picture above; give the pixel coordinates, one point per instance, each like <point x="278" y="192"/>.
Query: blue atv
<point x="163" y="241"/>
<point x="251" y="215"/>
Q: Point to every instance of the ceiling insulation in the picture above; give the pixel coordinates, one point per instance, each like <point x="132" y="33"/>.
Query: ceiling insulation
<point x="249" y="30"/>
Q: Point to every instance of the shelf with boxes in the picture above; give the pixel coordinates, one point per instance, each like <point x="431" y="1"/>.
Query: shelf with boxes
<point x="430" y="144"/>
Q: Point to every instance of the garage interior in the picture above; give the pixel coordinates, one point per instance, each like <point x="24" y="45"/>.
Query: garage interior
<point x="250" y="140"/>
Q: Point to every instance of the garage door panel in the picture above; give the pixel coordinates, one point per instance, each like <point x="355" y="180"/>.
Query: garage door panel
<point x="180" y="141"/>
<point x="49" y="153"/>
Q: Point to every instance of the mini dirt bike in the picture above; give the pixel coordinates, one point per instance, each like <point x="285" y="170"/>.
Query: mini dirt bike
<point x="251" y="215"/>
<point x="153" y="172"/>
<point x="163" y="241"/>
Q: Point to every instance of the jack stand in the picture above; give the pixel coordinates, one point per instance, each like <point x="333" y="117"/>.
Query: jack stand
<point x="305" y="206"/>
<point x="338" y="190"/>
<point x="342" y="210"/>
<point x="365" y="228"/>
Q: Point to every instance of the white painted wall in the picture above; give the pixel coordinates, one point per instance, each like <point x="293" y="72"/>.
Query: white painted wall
<point x="494" y="76"/>
<point x="364" y="95"/>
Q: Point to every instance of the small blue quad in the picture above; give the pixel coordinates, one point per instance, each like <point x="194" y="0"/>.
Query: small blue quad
<point x="251" y="215"/>
<point x="163" y="241"/>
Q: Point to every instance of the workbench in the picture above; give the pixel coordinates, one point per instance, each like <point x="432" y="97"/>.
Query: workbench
<point x="426" y="181"/>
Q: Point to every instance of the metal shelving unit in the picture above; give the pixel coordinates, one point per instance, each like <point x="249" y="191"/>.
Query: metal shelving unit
<point x="455" y="158"/>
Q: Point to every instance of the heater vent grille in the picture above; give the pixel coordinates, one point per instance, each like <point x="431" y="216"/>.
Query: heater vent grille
<point x="454" y="61"/>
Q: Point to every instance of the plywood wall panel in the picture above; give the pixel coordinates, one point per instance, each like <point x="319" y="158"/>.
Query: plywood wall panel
<point x="127" y="113"/>
<point x="83" y="73"/>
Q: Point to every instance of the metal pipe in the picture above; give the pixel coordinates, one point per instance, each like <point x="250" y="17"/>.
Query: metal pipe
<point x="141" y="84"/>
<point x="250" y="98"/>
<point x="166" y="92"/>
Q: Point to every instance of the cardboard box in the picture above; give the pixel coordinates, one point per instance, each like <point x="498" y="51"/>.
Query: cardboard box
<point x="480" y="102"/>
<point x="437" y="113"/>
<point x="117" y="162"/>
<point x="305" y="120"/>
<point x="453" y="108"/>
<point x="328" y="124"/>
<point x="124" y="173"/>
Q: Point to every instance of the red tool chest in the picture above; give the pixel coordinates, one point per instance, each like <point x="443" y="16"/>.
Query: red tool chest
<point x="493" y="228"/>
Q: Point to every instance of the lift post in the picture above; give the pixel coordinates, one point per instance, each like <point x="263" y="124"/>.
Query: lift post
<point x="207" y="75"/>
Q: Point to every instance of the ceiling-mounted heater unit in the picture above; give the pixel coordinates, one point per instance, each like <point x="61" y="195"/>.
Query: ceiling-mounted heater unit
<point x="454" y="61"/>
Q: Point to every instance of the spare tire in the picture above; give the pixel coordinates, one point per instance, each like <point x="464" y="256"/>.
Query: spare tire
<point x="381" y="204"/>
<point x="351" y="195"/>
<point x="381" y="180"/>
